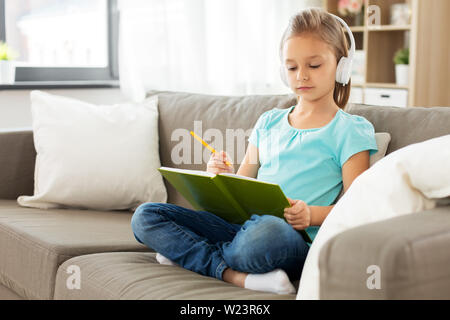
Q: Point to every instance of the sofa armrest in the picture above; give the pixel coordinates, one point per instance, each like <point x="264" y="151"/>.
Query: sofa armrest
<point x="409" y="254"/>
<point x="17" y="159"/>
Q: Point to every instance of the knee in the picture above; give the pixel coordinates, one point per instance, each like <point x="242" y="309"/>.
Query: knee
<point x="258" y="236"/>
<point x="143" y="215"/>
<point x="268" y="233"/>
<point x="285" y="237"/>
<point x="267" y="227"/>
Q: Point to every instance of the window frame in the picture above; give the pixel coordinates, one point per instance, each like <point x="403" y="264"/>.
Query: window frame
<point x="109" y="74"/>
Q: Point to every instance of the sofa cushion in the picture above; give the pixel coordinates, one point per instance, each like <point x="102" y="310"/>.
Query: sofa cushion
<point x="99" y="157"/>
<point x="383" y="139"/>
<point x="34" y="242"/>
<point x="136" y="276"/>
<point x="406" y="125"/>
<point x="7" y="294"/>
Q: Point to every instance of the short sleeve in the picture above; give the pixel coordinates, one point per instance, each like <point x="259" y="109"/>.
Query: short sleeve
<point x="259" y="125"/>
<point x="358" y="136"/>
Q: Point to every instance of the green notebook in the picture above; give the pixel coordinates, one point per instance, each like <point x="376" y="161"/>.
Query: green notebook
<point x="232" y="197"/>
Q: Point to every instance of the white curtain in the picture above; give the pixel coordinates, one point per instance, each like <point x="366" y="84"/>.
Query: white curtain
<point x="222" y="47"/>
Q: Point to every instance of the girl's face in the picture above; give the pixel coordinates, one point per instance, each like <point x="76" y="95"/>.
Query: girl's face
<point x="310" y="66"/>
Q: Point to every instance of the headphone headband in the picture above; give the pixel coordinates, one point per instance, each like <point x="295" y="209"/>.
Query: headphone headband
<point x="352" y="39"/>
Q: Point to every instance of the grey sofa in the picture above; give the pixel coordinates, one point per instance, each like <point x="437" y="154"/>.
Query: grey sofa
<point x="37" y="247"/>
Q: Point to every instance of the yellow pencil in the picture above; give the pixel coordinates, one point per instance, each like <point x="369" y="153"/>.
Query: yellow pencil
<point x="207" y="145"/>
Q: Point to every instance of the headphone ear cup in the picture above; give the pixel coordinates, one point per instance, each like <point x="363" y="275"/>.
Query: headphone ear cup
<point x="343" y="70"/>
<point x="339" y="70"/>
<point x="283" y="76"/>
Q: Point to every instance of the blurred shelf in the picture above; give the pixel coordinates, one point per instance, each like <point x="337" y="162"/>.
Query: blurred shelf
<point x="389" y="28"/>
<point x="384" y="85"/>
<point x="379" y="85"/>
<point x="356" y="29"/>
<point x="426" y="36"/>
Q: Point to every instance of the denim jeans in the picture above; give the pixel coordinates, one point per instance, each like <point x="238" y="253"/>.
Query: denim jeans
<point x="205" y="243"/>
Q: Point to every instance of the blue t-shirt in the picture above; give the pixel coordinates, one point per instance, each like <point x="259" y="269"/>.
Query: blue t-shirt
<point x="307" y="163"/>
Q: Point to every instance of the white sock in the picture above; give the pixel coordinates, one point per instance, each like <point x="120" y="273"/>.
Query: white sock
<point x="163" y="260"/>
<point x="276" y="281"/>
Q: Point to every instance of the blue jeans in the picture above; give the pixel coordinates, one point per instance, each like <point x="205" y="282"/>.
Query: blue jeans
<point x="205" y="243"/>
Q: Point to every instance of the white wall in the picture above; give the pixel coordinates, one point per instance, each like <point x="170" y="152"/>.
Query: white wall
<point x="15" y="104"/>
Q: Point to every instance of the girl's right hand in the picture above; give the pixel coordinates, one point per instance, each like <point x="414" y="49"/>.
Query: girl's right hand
<point x="216" y="163"/>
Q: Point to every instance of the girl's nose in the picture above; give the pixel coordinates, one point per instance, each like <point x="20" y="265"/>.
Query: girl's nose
<point x="302" y="75"/>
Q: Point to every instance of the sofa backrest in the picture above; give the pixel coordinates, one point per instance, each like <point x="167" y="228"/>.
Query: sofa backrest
<point x="179" y="110"/>
<point x="406" y="125"/>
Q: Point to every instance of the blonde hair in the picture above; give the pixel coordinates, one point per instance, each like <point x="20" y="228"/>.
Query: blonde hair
<point x="328" y="29"/>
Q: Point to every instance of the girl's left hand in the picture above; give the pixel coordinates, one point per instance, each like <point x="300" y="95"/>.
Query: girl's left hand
<point x="298" y="215"/>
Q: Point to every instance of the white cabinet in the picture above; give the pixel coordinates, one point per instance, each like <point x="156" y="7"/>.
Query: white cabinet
<point x="356" y="95"/>
<point x="386" y="97"/>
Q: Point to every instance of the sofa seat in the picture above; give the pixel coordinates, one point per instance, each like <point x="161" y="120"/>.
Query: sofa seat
<point x="138" y="276"/>
<point x="35" y="242"/>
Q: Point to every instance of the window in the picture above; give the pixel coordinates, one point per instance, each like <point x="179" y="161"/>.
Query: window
<point x="62" y="40"/>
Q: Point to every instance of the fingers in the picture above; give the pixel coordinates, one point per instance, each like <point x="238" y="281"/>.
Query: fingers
<point x="220" y="155"/>
<point x="224" y="156"/>
<point x="219" y="167"/>
<point x="296" y="215"/>
<point x="294" y="218"/>
<point x="217" y="163"/>
<point x="219" y="158"/>
<point x="292" y="201"/>
<point x="297" y="223"/>
<point x="297" y="206"/>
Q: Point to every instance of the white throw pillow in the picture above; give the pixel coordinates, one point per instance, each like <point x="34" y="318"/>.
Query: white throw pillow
<point x="101" y="157"/>
<point x="406" y="181"/>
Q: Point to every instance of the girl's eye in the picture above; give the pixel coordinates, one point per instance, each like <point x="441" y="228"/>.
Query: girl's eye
<point x="313" y="67"/>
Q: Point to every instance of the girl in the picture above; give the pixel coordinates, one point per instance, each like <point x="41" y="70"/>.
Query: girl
<point x="320" y="150"/>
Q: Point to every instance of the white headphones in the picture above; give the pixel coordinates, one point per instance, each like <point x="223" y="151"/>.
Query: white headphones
<point x="344" y="67"/>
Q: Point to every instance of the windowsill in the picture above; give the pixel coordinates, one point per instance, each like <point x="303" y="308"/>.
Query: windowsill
<point x="60" y="84"/>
